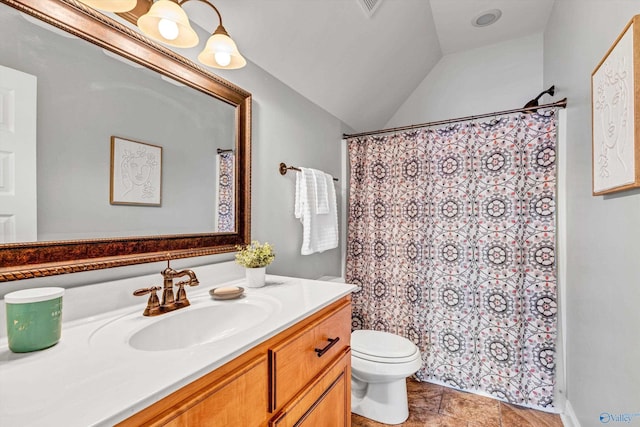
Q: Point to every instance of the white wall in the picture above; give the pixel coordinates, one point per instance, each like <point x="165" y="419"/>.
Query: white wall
<point x="497" y="77"/>
<point x="603" y="278"/>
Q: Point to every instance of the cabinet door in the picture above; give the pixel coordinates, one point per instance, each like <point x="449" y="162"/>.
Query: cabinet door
<point x="329" y="410"/>
<point x="327" y="402"/>
<point x="239" y="401"/>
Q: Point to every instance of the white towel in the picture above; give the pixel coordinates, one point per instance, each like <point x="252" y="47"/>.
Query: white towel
<point x="319" y="230"/>
<point x="322" y="196"/>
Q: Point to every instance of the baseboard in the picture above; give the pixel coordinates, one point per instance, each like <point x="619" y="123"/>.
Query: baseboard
<point x="568" y="417"/>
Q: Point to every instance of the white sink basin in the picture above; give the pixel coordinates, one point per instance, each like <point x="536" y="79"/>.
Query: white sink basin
<point x="205" y="321"/>
<point x="199" y="325"/>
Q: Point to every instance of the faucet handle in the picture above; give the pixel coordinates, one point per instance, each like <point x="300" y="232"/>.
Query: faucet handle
<point x="181" y="295"/>
<point x="153" y="304"/>
<point x="144" y="291"/>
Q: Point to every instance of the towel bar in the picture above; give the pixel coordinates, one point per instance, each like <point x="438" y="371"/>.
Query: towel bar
<point x="284" y="168"/>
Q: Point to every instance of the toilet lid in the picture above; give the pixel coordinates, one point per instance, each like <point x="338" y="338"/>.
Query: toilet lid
<point x="374" y="345"/>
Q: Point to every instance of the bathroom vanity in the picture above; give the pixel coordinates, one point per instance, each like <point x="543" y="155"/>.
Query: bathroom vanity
<point x="299" y="377"/>
<point x="277" y="356"/>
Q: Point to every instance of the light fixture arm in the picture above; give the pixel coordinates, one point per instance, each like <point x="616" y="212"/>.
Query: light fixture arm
<point x="220" y="29"/>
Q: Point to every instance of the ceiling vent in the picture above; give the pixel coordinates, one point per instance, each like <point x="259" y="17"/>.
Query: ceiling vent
<point x="369" y="6"/>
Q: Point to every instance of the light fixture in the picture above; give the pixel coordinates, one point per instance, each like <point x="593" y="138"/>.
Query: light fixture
<point x="167" y="22"/>
<point x="487" y="18"/>
<point x="111" y="5"/>
<point x="221" y="52"/>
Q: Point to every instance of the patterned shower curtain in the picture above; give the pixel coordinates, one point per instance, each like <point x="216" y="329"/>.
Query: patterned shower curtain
<point x="225" y="195"/>
<point x="452" y="241"/>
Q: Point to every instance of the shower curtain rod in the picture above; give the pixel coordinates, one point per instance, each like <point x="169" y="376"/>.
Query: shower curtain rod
<point x="560" y="104"/>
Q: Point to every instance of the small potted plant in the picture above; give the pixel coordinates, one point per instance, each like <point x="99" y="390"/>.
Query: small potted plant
<point x="255" y="257"/>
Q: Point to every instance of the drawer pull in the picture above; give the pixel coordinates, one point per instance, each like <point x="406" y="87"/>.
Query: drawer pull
<point x="332" y="342"/>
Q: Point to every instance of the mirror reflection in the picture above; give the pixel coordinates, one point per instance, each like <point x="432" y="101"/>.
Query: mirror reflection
<point x="80" y="98"/>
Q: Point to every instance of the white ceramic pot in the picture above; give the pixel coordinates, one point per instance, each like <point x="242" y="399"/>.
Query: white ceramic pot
<point x="256" y="277"/>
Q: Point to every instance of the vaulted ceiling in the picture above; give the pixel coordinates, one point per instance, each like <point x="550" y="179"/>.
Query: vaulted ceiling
<point x="358" y="67"/>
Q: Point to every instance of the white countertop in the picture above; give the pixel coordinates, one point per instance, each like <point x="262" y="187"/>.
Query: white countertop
<point x="94" y="377"/>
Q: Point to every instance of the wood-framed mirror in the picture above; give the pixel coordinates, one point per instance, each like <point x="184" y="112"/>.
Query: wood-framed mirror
<point x="38" y="257"/>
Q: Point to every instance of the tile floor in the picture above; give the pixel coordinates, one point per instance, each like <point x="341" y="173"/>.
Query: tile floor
<point x="432" y="405"/>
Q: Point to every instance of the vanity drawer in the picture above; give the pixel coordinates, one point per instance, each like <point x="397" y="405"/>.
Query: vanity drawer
<point x="296" y="361"/>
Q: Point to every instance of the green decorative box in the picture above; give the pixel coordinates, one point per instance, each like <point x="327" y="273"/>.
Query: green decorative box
<point x="34" y="318"/>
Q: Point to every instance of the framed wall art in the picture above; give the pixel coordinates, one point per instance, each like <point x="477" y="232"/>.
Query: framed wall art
<point x="615" y="109"/>
<point x="136" y="173"/>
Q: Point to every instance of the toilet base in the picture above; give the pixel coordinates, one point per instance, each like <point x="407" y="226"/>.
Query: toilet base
<point x="382" y="402"/>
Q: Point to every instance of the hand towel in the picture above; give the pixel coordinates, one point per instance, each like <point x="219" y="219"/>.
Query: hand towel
<point x="319" y="231"/>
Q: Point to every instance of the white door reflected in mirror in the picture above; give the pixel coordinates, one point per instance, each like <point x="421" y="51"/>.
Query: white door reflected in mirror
<point x="18" y="192"/>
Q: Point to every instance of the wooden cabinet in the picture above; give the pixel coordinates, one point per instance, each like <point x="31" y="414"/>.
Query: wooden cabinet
<point x="327" y="402"/>
<point x="226" y="403"/>
<point x="296" y="361"/>
<point x="300" y="377"/>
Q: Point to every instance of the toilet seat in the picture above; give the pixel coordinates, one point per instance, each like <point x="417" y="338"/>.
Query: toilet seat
<point x="385" y="360"/>
<point x="383" y="347"/>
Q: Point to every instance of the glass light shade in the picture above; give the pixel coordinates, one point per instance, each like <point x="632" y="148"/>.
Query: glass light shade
<point x="168" y="29"/>
<point x="111" y="5"/>
<point x="221" y="52"/>
<point x="166" y="10"/>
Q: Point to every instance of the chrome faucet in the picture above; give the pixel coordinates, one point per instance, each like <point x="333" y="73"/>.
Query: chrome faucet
<point x="169" y="301"/>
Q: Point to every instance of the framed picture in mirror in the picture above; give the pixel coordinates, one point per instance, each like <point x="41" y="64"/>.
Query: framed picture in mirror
<point x="136" y="173"/>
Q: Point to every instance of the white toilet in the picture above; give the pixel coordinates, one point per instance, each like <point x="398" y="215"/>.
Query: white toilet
<point x="380" y="365"/>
